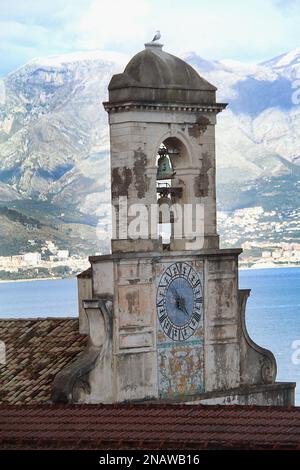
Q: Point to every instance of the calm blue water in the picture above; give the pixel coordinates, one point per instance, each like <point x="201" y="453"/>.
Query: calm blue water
<point x="273" y="310"/>
<point x="53" y="298"/>
<point x="273" y="316"/>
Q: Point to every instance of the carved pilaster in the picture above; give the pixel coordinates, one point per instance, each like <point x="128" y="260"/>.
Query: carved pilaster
<point x="73" y="383"/>
<point x="258" y="365"/>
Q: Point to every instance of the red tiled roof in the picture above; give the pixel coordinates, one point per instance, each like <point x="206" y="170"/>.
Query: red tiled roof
<point x="36" y="350"/>
<point x="155" y="427"/>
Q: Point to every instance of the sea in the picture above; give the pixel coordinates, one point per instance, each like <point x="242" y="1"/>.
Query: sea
<point x="273" y="310"/>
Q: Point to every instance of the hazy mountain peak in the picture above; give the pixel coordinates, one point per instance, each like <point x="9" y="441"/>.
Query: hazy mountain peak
<point x="243" y="69"/>
<point x="199" y="62"/>
<point x="52" y="120"/>
<point x="80" y="57"/>
<point x="287" y="64"/>
<point x="54" y="142"/>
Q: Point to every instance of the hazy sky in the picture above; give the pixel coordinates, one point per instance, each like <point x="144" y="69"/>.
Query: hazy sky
<point x="247" y="30"/>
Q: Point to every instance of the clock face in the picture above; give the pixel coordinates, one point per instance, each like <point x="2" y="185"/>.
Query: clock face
<point x="179" y="301"/>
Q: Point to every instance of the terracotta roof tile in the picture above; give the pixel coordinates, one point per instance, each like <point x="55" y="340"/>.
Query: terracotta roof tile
<point x="149" y="427"/>
<point x="35" y="351"/>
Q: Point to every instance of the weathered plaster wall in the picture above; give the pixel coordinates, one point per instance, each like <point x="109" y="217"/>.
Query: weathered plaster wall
<point x="222" y="354"/>
<point x="142" y="360"/>
<point x="279" y="394"/>
<point x="135" y="335"/>
<point x="85" y="292"/>
<point x="156" y="365"/>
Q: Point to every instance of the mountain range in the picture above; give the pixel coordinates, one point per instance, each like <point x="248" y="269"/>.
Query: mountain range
<point x="54" y="143"/>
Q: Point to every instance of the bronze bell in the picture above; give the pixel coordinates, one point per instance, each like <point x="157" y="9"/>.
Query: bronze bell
<point x="164" y="169"/>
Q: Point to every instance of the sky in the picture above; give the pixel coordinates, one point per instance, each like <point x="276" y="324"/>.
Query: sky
<point x="245" y="30"/>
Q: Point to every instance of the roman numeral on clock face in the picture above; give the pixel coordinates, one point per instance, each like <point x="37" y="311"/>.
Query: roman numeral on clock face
<point x="163" y="317"/>
<point x="197" y="316"/>
<point x="179" y="301"/>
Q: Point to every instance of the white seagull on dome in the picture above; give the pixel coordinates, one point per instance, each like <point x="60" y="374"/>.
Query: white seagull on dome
<point x="157" y="36"/>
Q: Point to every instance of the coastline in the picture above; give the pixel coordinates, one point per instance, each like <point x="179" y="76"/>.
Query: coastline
<point x="267" y="266"/>
<point x="2" y="281"/>
<point x="241" y="268"/>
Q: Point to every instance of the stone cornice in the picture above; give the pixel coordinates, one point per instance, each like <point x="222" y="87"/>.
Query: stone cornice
<point x="166" y="107"/>
<point x="201" y="254"/>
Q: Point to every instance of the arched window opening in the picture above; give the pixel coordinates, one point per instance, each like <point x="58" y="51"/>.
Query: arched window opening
<point x="167" y="192"/>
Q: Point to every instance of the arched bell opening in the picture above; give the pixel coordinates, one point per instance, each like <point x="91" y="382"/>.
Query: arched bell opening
<point x="171" y="157"/>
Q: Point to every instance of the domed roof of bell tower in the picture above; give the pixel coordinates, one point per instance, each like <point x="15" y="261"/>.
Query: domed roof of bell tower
<point x="153" y="75"/>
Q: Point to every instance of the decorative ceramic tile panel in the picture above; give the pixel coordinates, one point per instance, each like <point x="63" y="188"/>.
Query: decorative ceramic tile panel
<point x="180" y="335"/>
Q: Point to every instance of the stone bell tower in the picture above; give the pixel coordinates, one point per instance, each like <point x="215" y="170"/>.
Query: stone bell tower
<point x="166" y="320"/>
<point x="160" y="99"/>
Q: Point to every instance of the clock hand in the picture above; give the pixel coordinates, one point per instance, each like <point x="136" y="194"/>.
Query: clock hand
<point x="185" y="311"/>
<point x="180" y="301"/>
<point x="173" y="289"/>
<point x="182" y="306"/>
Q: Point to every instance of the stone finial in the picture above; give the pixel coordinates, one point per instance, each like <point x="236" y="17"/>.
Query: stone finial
<point x="153" y="45"/>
